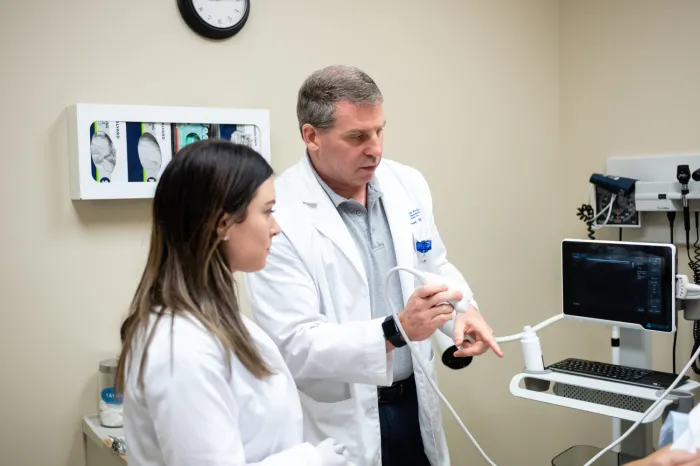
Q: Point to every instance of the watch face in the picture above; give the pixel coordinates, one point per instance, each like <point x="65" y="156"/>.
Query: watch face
<point x="392" y="333"/>
<point x="389" y="327"/>
<point x="221" y="14"/>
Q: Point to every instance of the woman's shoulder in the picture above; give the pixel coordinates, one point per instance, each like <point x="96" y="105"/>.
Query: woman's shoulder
<point x="182" y="337"/>
<point x="182" y="341"/>
<point x="181" y="355"/>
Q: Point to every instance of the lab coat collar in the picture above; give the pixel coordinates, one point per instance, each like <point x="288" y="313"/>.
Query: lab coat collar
<point x="326" y="218"/>
<point x="374" y="192"/>
<point x="397" y="206"/>
<point x="397" y="201"/>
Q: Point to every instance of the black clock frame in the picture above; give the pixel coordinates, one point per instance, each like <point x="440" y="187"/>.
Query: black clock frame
<point x="201" y="27"/>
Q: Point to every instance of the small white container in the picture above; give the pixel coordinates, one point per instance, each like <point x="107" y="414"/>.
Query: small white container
<point x="110" y="405"/>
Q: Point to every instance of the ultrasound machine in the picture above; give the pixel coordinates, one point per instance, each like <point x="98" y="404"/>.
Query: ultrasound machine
<point x="627" y="285"/>
<point x="635" y="289"/>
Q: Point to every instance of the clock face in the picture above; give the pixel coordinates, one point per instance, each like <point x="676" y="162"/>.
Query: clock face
<point x="221" y="14"/>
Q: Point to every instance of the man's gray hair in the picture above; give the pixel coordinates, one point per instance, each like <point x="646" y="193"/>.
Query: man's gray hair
<point x="321" y="91"/>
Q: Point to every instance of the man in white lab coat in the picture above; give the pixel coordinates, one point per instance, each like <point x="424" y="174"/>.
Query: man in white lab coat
<point x="346" y="220"/>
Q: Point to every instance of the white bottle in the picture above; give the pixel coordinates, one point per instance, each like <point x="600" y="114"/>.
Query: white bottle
<point x="110" y="405"/>
<point x="532" y="351"/>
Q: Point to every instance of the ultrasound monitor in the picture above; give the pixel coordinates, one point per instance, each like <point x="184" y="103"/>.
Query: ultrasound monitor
<point x="626" y="284"/>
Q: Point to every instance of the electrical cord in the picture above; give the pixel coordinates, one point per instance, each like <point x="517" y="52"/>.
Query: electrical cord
<point x="671" y="216"/>
<point x="588" y="214"/>
<point x="514" y="337"/>
<point x="585" y="213"/>
<point x="602" y="212"/>
<point x="695" y="267"/>
<point x="694" y="262"/>
<point x="675" y="340"/>
<point x="696" y="344"/>
<point x="417" y="358"/>
<point x="671" y="220"/>
<point x="696" y="252"/>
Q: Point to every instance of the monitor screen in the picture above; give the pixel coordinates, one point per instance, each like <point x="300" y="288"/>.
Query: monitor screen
<point x="620" y="283"/>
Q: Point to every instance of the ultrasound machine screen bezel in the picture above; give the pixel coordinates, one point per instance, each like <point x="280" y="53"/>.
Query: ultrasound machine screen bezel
<point x="665" y="322"/>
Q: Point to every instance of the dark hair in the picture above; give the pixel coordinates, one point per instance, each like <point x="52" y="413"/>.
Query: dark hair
<point x="186" y="271"/>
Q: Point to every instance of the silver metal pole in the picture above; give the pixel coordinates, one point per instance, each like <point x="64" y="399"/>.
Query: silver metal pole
<point x="635" y="351"/>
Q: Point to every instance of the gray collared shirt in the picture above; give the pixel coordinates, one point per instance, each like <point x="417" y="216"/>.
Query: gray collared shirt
<point x="369" y="228"/>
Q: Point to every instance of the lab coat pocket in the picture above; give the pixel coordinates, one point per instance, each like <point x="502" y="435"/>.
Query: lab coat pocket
<point x="427" y="357"/>
<point x="432" y="372"/>
<point x="335" y="419"/>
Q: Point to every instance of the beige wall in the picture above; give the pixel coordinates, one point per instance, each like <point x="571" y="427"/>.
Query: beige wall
<point x="473" y="100"/>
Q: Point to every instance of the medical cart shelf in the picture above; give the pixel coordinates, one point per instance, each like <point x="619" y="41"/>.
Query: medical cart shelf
<point x="612" y="392"/>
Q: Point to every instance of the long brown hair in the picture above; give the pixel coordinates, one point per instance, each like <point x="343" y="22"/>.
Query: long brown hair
<point x="186" y="271"/>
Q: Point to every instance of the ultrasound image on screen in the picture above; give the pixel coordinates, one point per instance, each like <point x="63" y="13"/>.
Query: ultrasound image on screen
<point x="630" y="284"/>
<point x="618" y="283"/>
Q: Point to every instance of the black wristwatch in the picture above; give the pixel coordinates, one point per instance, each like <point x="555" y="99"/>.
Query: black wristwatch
<point x="391" y="332"/>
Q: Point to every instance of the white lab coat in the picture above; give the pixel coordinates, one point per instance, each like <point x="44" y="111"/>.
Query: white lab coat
<point x="312" y="298"/>
<point x="195" y="412"/>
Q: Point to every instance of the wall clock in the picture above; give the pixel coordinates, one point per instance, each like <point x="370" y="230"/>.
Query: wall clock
<point x="215" y="19"/>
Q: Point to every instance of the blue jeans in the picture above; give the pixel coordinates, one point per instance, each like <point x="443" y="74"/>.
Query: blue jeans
<point x="402" y="444"/>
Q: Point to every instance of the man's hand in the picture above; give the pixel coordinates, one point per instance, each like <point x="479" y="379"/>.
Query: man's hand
<point x="668" y="457"/>
<point x="473" y="324"/>
<point x="426" y="310"/>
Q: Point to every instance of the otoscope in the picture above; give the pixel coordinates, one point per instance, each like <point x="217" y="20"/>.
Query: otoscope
<point x="683" y="176"/>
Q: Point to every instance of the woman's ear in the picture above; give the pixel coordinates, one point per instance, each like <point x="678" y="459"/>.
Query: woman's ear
<point x="223" y="226"/>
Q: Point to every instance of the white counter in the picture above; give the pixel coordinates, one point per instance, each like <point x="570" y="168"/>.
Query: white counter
<point x="99" y="436"/>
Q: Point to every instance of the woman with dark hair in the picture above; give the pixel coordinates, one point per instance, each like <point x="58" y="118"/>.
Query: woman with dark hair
<point x="202" y="384"/>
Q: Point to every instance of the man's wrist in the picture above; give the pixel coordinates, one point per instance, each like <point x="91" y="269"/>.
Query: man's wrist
<point x="392" y="335"/>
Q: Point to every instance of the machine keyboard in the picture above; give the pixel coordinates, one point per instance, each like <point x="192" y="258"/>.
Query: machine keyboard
<point x="616" y="373"/>
<point x="600" y="369"/>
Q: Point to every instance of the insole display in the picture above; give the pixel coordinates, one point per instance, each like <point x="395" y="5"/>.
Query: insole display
<point x="150" y="155"/>
<point x="104" y="155"/>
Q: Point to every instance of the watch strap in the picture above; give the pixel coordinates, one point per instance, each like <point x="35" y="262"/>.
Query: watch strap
<point x="392" y="333"/>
